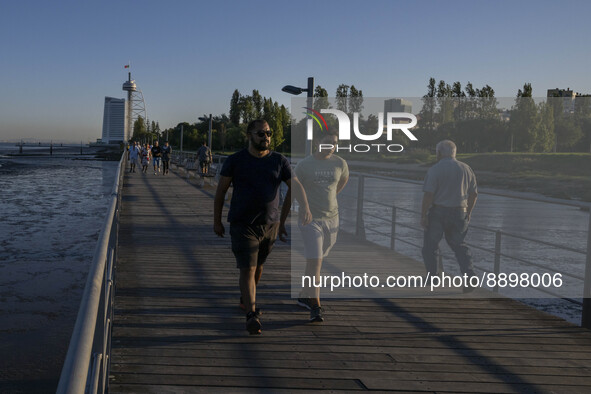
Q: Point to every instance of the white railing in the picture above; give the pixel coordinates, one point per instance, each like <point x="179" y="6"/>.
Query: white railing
<point x="361" y="229"/>
<point x="86" y="368"/>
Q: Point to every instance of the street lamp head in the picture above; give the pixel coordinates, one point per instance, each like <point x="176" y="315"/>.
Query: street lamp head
<point x="201" y="118"/>
<point x="293" y="89"/>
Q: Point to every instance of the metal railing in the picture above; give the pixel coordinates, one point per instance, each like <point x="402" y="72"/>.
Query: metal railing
<point x="499" y="235"/>
<point x="189" y="161"/>
<point x="87" y="364"/>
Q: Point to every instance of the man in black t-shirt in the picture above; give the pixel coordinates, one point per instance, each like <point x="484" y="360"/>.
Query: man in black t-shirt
<point x="157" y="155"/>
<point x="255" y="220"/>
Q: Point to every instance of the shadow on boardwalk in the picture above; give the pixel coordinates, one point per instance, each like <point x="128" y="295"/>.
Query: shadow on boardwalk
<point x="178" y="327"/>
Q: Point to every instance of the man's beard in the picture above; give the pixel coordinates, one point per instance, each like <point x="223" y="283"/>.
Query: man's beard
<point x="260" y="146"/>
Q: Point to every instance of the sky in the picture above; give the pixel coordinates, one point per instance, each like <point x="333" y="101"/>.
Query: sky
<point x="58" y="60"/>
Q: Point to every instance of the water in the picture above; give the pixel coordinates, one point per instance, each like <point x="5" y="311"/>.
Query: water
<point x="563" y="225"/>
<point x="52" y="213"/>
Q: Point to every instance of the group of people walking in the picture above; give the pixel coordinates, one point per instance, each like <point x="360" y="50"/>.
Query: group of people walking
<point x="256" y="220"/>
<point x="143" y="155"/>
<point x="160" y="157"/>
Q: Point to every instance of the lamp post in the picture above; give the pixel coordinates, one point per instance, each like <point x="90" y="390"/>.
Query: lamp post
<point x="310" y="102"/>
<point x="204" y="119"/>
<point x="182" y="139"/>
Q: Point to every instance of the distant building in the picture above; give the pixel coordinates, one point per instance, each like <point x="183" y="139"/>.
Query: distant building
<point x="504" y="115"/>
<point x="568" y="98"/>
<point x="114" y="130"/>
<point x="396" y="105"/>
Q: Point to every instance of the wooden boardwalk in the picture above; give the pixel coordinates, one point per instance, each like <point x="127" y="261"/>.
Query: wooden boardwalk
<point x="178" y="327"/>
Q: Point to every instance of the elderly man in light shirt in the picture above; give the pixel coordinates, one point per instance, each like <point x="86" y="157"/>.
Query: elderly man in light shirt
<point x="450" y="194"/>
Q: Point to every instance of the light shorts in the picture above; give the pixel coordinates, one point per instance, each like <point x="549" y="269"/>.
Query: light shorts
<point x="319" y="237"/>
<point x="157" y="161"/>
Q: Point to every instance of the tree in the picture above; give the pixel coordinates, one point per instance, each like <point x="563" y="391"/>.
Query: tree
<point x="459" y="102"/>
<point x="427" y="113"/>
<point x="568" y="132"/>
<point x="139" y="129"/>
<point x="545" y="131"/>
<point x="235" y="110"/>
<point x="320" y="98"/>
<point x="583" y="119"/>
<point x="445" y="104"/>
<point x="526" y="92"/>
<point x="470" y="90"/>
<point x="277" y="127"/>
<point x="456" y="90"/>
<point x="524" y="120"/>
<point x="257" y="102"/>
<point x="355" y="100"/>
<point x="268" y="110"/>
<point x="486" y="107"/>
<point x="342" y="95"/>
<point x="247" y="110"/>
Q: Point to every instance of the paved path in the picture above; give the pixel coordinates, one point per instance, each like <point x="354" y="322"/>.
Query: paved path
<point x="178" y="327"/>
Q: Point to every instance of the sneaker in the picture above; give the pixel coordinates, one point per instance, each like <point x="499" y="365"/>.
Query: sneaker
<point x="258" y="311"/>
<point x="253" y="324"/>
<point x="305" y="303"/>
<point x="316" y="315"/>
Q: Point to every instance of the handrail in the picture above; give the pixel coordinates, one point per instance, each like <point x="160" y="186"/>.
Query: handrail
<point x="361" y="230"/>
<point x="89" y="348"/>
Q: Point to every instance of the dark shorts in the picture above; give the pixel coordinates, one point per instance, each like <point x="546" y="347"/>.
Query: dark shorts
<point x="203" y="163"/>
<point x="252" y="244"/>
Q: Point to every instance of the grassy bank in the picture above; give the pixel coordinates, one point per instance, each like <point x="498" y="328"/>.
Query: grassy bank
<point x="559" y="175"/>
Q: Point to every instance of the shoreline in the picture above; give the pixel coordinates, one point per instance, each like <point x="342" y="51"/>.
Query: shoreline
<point x="103" y="153"/>
<point x="54" y="209"/>
<point x="569" y="190"/>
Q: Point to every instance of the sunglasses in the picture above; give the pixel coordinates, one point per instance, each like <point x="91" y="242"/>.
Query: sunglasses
<point x="262" y="133"/>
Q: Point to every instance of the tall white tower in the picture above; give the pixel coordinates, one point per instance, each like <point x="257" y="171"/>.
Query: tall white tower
<point x="136" y="106"/>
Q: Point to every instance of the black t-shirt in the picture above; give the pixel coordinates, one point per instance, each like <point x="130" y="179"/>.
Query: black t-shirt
<point x="156" y="151"/>
<point x="256" y="182"/>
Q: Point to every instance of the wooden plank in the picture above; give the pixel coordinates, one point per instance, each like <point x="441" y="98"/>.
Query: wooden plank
<point x="178" y="327"/>
<point x="338" y="366"/>
<point x="267" y="382"/>
<point x="476" y="375"/>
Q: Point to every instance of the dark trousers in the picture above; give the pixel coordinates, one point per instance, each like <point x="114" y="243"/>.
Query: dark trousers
<point x="453" y="223"/>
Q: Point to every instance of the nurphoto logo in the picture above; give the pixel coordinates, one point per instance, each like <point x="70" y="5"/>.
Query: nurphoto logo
<point x="402" y="121"/>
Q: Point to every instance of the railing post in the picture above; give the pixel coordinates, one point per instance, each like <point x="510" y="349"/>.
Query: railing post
<point x="359" y="223"/>
<point x="586" y="315"/>
<point x="497" y="267"/>
<point x="393" y="229"/>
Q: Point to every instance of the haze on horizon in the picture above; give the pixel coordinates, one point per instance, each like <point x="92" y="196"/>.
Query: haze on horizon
<point x="61" y="59"/>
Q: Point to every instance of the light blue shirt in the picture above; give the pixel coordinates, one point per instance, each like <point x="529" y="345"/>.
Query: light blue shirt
<point x="451" y="182"/>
